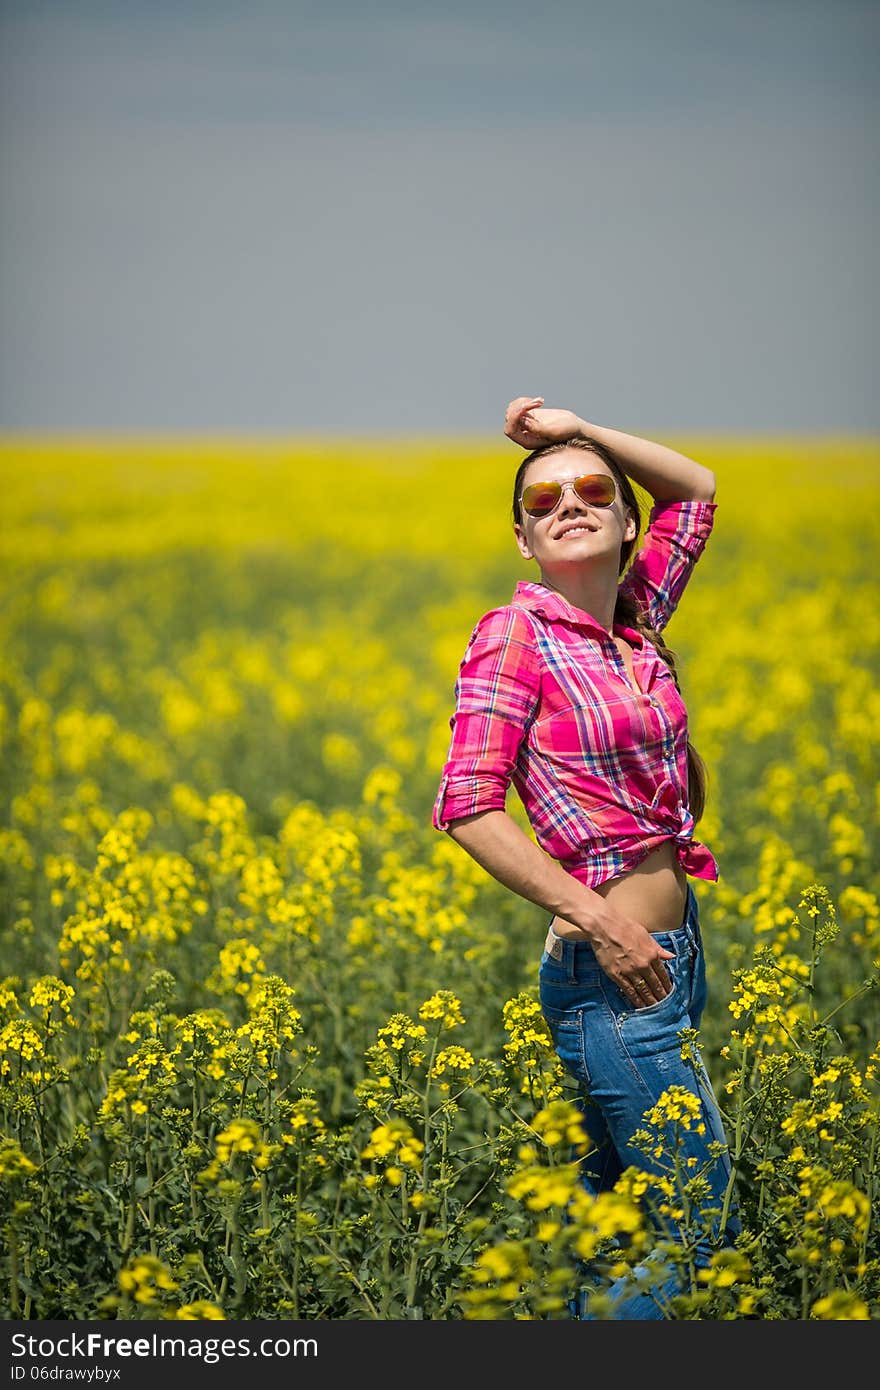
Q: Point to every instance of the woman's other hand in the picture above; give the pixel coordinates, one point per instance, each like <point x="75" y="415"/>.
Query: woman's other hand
<point x="531" y="426"/>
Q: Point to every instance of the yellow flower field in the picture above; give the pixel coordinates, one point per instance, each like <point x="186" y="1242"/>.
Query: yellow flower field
<point x="269" y="1043"/>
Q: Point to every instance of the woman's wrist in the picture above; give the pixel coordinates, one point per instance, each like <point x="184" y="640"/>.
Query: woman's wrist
<point x="588" y="915"/>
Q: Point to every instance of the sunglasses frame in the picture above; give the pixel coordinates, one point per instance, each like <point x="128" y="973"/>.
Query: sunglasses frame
<point x="562" y="484"/>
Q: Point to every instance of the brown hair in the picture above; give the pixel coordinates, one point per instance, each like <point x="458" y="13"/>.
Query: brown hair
<point x="625" y="609"/>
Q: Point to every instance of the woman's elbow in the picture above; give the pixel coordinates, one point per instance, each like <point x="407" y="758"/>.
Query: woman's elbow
<point x="707" y="490"/>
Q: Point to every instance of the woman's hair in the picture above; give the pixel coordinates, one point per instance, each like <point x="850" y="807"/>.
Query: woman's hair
<point x="625" y="609"/>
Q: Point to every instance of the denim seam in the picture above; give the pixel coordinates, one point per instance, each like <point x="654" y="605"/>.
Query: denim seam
<point x="579" y="1015"/>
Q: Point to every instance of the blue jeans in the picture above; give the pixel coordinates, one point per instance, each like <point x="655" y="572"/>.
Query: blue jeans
<point x="623" y="1058"/>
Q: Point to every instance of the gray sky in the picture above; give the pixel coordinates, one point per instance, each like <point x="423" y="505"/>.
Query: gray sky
<point x="281" y="218"/>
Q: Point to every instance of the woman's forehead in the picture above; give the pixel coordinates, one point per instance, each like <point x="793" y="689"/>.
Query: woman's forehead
<point x="569" y="463"/>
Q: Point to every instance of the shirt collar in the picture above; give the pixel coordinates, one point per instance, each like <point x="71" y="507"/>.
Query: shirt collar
<point x="537" y="598"/>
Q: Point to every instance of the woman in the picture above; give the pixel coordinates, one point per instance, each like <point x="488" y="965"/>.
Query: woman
<point x="569" y="692"/>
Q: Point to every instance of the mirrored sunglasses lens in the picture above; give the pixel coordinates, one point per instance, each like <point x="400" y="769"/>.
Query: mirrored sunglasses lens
<point x="540" y="498"/>
<point x="596" y="489"/>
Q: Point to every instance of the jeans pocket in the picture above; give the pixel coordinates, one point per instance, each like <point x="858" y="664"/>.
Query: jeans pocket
<point x="567" y="1031"/>
<point x="670" y="1002"/>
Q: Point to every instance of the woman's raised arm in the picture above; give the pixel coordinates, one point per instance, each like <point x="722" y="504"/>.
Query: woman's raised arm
<point x="664" y="473"/>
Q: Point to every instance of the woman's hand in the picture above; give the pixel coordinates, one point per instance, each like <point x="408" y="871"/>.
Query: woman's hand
<point x="630" y="955"/>
<point x="526" y="423"/>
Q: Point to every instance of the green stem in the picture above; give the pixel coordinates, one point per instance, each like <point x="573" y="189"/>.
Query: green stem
<point x="128" y="1233"/>
<point x="238" y="1261"/>
<point x="738" y="1141"/>
<point x="151" y="1201"/>
<point x="194" y="1208"/>
<point x="334" y="1230"/>
<point x="412" y="1273"/>
<point x="297" y="1244"/>
<point x="386" y="1261"/>
<point x="265" y="1218"/>
<point x="208" y="1280"/>
<point x="863" y="1244"/>
<point x="227" y="1245"/>
<point x="863" y="989"/>
<point x="345" y="1265"/>
<point x="444" y="1200"/>
<point x="13" y="1270"/>
<point x="815" y="953"/>
<point x="338" y="1017"/>
<point x="763" y="1185"/>
<point x="27" y="1274"/>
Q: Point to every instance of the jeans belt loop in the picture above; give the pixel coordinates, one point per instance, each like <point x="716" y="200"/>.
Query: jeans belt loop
<point x="692" y="937"/>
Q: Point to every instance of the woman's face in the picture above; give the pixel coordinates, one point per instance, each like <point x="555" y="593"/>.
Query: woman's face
<point x="576" y="530"/>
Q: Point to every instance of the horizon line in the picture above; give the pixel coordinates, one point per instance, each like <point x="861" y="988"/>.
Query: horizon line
<point x="111" y="438"/>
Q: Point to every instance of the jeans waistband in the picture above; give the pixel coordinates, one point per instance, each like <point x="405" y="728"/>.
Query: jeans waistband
<point x="567" y="951"/>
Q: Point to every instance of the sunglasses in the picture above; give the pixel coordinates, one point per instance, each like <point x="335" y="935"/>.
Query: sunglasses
<point x="596" y="489"/>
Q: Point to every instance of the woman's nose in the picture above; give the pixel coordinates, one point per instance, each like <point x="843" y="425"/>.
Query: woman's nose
<point x="570" y="497"/>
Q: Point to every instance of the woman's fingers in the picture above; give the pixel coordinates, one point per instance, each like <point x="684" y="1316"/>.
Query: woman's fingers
<point x="520" y="407"/>
<point x="519" y="425"/>
<point x="660" y="980"/>
<point x="648" y="987"/>
<point x="652" y="982"/>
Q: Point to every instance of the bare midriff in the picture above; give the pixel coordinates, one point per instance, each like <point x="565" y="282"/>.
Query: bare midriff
<point x="654" y="892"/>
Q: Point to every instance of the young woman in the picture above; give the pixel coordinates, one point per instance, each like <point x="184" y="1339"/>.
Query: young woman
<point x="570" y="693"/>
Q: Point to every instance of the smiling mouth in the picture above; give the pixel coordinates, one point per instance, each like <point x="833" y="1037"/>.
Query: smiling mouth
<point x="576" y="531"/>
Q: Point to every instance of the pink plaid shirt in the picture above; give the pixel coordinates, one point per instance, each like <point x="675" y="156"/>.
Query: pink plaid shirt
<point x="543" y="700"/>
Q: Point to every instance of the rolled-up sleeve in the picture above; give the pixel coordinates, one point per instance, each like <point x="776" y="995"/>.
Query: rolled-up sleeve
<point x="496" y="696"/>
<point x="675" y="538"/>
